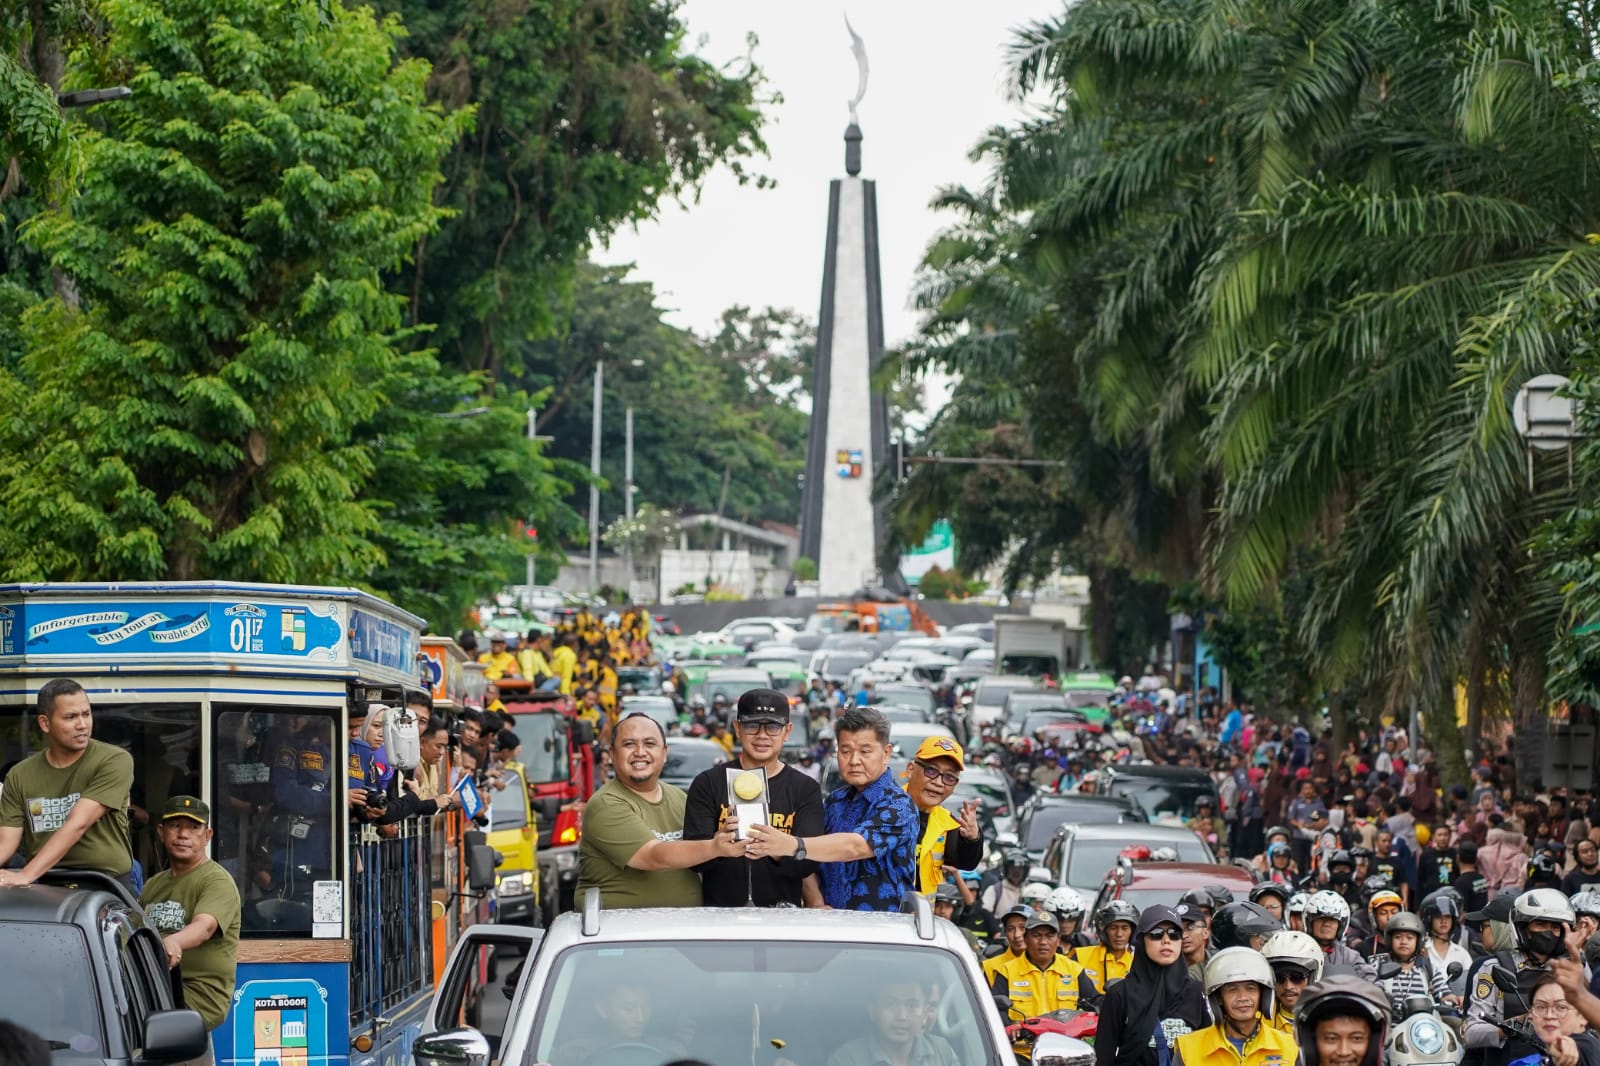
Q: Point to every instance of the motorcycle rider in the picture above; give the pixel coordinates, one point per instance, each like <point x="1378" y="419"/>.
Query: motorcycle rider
<point x="1294" y="916"/>
<point x="1341" y="1020"/>
<point x="1043" y="980"/>
<point x="1239" y="987"/>
<point x="1416" y="976"/>
<point x="1296" y="961"/>
<point x="1013" y="926"/>
<point x="1328" y="920"/>
<point x="1002" y="895"/>
<point x="1441" y="916"/>
<point x="1068" y="906"/>
<point x="1196" y="940"/>
<point x="1273" y="896"/>
<point x="1540" y="921"/>
<point x="1108" y="961"/>
<point x="1383" y="904"/>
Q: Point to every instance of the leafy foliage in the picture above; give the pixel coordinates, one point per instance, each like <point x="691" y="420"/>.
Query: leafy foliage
<point x="590" y="112"/>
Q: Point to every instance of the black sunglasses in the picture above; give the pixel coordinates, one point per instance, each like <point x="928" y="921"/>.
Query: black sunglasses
<point x="1164" y="932"/>
<point x="937" y="774"/>
<point x="1291" y="974"/>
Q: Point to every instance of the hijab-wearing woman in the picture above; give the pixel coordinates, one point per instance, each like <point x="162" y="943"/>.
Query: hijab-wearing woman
<point x="1143" y="1015"/>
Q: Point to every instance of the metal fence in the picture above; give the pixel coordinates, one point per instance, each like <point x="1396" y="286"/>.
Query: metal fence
<point x="391" y="927"/>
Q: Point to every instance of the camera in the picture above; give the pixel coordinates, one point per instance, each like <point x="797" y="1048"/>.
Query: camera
<point x="377" y="800"/>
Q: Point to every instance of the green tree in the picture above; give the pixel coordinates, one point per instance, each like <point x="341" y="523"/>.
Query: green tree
<point x="590" y="112"/>
<point x="206" y="412"/>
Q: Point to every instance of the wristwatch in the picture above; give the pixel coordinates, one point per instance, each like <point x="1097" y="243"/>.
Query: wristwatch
<point x="800" y="849"/>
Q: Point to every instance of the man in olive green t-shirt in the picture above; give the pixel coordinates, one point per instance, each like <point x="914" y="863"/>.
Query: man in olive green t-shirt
<point x="632" y="848"/>
<point x="194" y="905"/>
<point x="68" y="804"/>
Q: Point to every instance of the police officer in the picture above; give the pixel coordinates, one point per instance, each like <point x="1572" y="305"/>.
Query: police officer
<point x="1540" y="919"/>
<point x="300" y="832"/>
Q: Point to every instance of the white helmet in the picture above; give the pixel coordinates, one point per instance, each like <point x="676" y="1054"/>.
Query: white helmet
<point x="1297" y="903"/>
<point x="1294" y="948"/>
<point x="1066" y="902"/>
<point x="1541" y="904"/>
<point x="1231" y="965"/>
<point x="1587" y="902"/>
<point x="1034" y="894"/>
<point x="1327" y="904"/>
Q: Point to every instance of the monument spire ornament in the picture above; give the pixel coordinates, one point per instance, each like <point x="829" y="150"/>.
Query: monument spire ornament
<point x="859" y="47"/>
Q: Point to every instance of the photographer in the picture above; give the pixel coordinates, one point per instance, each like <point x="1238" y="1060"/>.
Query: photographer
<point x="375" y="797"/>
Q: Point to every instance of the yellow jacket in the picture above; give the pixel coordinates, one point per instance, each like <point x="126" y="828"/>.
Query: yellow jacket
<point x="1283" y="1021"/>
<point x="1034" y="991"/>
<point x="563" y="661"/>
<point x="991" y="966"/>
<point x="498" y="666"/>
<point x="1105" y="969"/>
<point x="534" y="664"/>
<point x="930" y="849"/>
<point x="1268" y="1046"/>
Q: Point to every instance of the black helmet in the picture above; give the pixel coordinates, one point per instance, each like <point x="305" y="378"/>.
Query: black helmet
<point x="1221" y="895"/>
<point x="1341" y="995"/>
<point x="1340" y="857"/>
<point x="1361" y="851"/>
<point x="1443" y="903"/>
<point x="1270" y="888"/>
<point x="1542" y="869"/>
<point x="1375" y="884"/>
<point x="1233" y="926"/>
<point x="1279" y="830"/>
<point x="1115" y="910"/>
<point x="1198" y="898"/>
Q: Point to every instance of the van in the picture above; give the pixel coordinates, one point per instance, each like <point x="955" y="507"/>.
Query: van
<point x="514" y="833"/>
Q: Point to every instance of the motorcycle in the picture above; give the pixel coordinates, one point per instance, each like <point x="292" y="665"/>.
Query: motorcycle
<point x="1055" y="1039"/>
<point x="1422" y="1035"/>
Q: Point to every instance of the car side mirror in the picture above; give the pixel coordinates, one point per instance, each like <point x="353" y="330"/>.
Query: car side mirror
<point x="451" y="1047"/>
<point x="481" y="861"/>
<point x="175" y="1036"/>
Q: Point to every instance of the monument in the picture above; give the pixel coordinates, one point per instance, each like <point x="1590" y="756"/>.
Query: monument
<point x="840" y="527"/>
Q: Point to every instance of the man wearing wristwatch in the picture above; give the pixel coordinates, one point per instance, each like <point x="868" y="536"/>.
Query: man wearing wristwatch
<point x="868" y="849"/>
<point x="794" y="803"/>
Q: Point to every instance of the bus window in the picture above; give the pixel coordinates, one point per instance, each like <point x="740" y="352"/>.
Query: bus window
<point x="277" y="781"/>
<point x="164" y="740"/>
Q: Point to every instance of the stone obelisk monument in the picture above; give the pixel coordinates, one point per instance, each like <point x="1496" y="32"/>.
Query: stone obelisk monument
<point x="840" y="526"/>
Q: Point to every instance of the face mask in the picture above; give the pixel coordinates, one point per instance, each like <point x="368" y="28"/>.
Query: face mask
<point x="1544" y="943"/>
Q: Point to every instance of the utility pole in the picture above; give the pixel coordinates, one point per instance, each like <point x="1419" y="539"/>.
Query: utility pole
<point x="594" y="480"/>
<point x="627" y="492"/>
<point x="533" y="434"/>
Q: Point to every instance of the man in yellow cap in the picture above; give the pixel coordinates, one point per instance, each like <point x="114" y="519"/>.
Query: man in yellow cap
<point x="945" y="839"/>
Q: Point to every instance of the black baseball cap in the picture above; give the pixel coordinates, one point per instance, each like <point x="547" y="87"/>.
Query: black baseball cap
<point x="1496" y="910"/>
<point x="763" y="705"/>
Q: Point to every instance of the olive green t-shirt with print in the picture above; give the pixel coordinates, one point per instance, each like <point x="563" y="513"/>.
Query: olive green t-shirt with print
<point x="617" y="822"/>
<point x="37" y="798"/>
<point x="170" y="903"/>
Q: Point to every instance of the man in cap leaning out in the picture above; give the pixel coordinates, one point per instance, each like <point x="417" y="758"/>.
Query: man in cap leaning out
<point x="944" y="839"/>
<point x="194" y="905"/>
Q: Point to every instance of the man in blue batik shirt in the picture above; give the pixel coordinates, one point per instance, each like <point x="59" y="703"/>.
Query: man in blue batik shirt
<point x="868" y="854"/>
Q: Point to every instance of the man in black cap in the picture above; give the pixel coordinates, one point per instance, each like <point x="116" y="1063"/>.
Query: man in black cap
<point x="794" y="807"/>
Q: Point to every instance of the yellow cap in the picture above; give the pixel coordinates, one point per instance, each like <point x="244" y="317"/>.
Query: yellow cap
<point x="941" y="748"/>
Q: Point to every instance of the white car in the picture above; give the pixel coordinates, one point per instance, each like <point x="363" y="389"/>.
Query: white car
<point x="756" y="631"/>
<point x="907" y="737"/>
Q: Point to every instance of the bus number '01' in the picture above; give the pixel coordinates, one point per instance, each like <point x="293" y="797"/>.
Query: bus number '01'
<point x="244" y="634"/>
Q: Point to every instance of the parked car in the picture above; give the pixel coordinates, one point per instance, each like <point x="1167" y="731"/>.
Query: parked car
<point x="1146" y="883"/>
<point x="1046" y="812"/>
<point x="905" y="696"/>
<point x="989" y="698"/>
<point x="1080" y="855"/>
<point x="837" y="665"/>
<point x="1168" y="794"/>
<point x="906" y="737"/>
<point x="79" y="967"/>
<point x="711" y="985"/>
<point x="993" y="793"/>
<point x="661" y="708"/>
<point x="687" y="757"/>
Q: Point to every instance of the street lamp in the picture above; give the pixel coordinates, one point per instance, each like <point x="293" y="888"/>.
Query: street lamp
<point x="594" y="476"/>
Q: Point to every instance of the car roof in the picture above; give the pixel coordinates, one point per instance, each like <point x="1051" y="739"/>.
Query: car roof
<point x="1187" y="875"/>
<point x="1158" y="770"/>
<point x="55" y="904"/>
<point x="1064" y="799"/>
<point x="631" y="926"/>
<point x="1147" y="833"/>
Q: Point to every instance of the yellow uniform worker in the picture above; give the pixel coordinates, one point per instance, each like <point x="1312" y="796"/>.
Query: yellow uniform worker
<point x="1105" y="966"/>
<point x="564" y="664"/>
<point x="498" y="662"/>
<point x="1240" y="989"/>
<point x="1266" y="1046"/>
<point x="1041" y="980"/>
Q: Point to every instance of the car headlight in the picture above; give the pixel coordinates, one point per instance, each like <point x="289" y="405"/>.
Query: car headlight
<point x="1427" y="1036"/>
<point x="517" y="884"/>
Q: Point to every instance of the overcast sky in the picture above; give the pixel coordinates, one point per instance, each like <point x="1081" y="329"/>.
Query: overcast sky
<point x="936" y="85"/>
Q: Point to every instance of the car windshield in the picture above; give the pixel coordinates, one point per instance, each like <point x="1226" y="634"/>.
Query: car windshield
<point x="46" y="985"/>
<point x="685" y="761"/>
<point x="544" y="746"/>
<point x="641" y="1004"/>
<point x="1044" y="820"/>
<point x="1166" y="897"/>
<point x="1020" y="703"/>
<point x="1165" y="799"/>
<point x="840" y="663"/>
<point x="906" y="696"/>
<point x="1088" y="860"/>
<point x="993" y="694"/>
<point x="508" y="808"/>
<point x="1086" y="698"/>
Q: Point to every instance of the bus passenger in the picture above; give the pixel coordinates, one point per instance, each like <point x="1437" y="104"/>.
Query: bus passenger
<point x="68" y="804"/>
